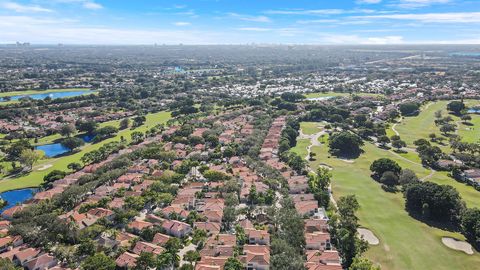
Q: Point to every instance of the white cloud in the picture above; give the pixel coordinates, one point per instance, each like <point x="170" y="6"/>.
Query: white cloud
<point x="454" y="17"/>
<point x="24" y="8"/>
<point x="262" y="19"/>
<point x="355" y="39"/>
<point x="369" y="1"/>
<point x="254" y="29"/>
<point x="92" y="5"/>
<point x="88" y="4"/>
<point x="320" y="12"/>
<point x="182" y="23"/>
<point x="419" y="3"/>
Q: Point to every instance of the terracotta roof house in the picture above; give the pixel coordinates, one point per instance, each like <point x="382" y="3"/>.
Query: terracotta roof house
<point x="141" y="246"/>
<point x="116" y="203"/>
<point x="176" y="228"/>
<point x="126" y="260"/>
<point x="306" y="207"/>
<point x="211" y="227"/>
<point x="316" y="225"/>
<point x="258" y="237"/>
<point x="101" y="213"/>
<point x="317" y="241"/>
<point x="125" y="238"/>
<point x="8" y="214"/>
<point x="5" y="243"/>
<point x="138" y="225"/>
<point x="256" y="257"/>
<point x="211" y="263"/>
<point x="160" y="239"/>
<point x="25" y="255"/>
<point x="44" y="261"/>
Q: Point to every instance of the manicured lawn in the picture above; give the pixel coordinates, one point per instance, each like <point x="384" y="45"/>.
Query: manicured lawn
<point x="416" y="127"/>
<point x="35" y="178"/>
<point x="309" y="128"/>
<point x="470" y="133"/>
<point x="405" y="243"/>
<point x="301" y="147"/>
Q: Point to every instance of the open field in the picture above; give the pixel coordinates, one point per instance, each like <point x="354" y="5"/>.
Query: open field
<point x="470" y="133"/>
<point x="35" y="178"/>
<point x="335" y="94"/>
<point x="405" y="243"/>
<point x="309" y="128"/>
<point x="416" y="127"/>
<point x="301" y="147"/>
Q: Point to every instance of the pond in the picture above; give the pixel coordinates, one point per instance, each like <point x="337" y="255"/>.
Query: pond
<point x="53" y="95"/>
<point x="14" y="197"/>
<point x="474" y="110"/>
<point x="53" y="149"/>
<point x="56" y="149"/>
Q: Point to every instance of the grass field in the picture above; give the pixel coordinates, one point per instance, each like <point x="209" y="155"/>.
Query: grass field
<point x="301" y="147"/>
<point x="309" y="128"/>
<point x="413" y="128"/>
<point x="335" y="94"/>
<point x="35" y="178"/>
<point x="470" y="133"/>
<point x="405" y="243"/>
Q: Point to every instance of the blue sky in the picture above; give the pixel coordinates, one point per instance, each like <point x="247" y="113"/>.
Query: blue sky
<point x="240" y="21"/>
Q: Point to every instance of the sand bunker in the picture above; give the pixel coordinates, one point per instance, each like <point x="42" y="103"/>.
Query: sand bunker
<point x="368" y="236"/>
<point x="44" y="167"/>
<point x="457" y="245"/>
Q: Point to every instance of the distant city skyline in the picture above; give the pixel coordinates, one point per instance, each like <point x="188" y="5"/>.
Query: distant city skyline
<point x="240" y="22"/>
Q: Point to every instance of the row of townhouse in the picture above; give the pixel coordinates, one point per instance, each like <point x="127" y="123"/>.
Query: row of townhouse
<point x="319" y="251"/>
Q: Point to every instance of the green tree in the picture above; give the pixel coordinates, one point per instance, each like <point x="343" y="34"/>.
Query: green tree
<point x="145" y="261"/>
<point x="67" y="130"/>
<point x="74" y="166"/>
<point x="233" y="264"/>
<point x="362" y="264"/>
<point x="192" y="256"/>
<point x="29" y="157"/>
<point x="345" y="230"/>
<point x="398" y="144"/>
<point x="124" y="123"/>
<point x="456" y="106"/>
<point x="407" y="176"/>
<point x="137" y="137"/>
<point x="470" y="225"/>
<point x="382" y="165"/>
<point x="409" y="108"/>
<point x="389" y="178"/>
<point x="345" y="144"/>
<point x="72" y="143"/>
<point x="383" y="140"/>
<point x="6" y="264"/>
<point x="99" y="261"/>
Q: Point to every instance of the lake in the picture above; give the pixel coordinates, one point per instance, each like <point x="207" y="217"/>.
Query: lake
<point x="14" y="197"/>
<point x="473" y="110"/>
<point x="53" y="149"/>
<point x="53" y="95"/>
<point x="56" y="149"/>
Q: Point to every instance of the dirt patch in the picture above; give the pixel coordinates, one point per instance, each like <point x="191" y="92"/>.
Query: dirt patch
<point x="368" y="236"/>
<point x="457" y="245"/>
<point x="44" y="167"/>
